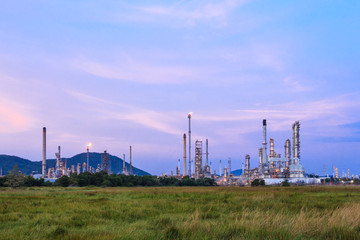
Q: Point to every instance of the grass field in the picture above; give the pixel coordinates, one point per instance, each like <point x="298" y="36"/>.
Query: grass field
<point x="180" y="213"/>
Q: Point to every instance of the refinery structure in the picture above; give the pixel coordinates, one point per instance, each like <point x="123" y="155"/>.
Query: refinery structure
<point x="62" y="169"/>
<point x="273" y="167"/>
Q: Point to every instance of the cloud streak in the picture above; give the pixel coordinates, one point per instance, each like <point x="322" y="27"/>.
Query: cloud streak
<point x="193" y="12"/>
<point x="326" y="115"/>
<point x="181" y="13"/>
<point x="140" y="72"/>
<point x="160" y="121"/>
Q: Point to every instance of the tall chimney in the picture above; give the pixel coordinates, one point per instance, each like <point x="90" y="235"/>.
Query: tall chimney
<point x="247" y="165"/>
<point x="44" y="154"/>
<point x="229" y="166"/>
<point x="207" y="152"/>
<point x="130" y="168"/>
<point x="124" y="167"/>
<point x="87" y="158"/>
<point x="220" y="168"/>
<point x="189" y="116"/>
<point x="184" y="169"/>
<point x="264" y="151"/>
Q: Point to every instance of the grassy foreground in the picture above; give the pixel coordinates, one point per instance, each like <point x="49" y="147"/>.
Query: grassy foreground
<point x="180" y="213"/>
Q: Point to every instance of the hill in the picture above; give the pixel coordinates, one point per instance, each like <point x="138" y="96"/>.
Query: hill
<point x="26" y="166"/>
<point x="237" y="172"/>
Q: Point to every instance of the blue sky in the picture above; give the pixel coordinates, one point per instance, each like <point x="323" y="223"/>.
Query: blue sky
<point x="119" y="73"/>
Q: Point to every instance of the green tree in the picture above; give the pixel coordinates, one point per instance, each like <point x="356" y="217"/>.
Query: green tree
<point x="47" y="184"/>
<point x="63" y="181"/>
<point x="15" y="178"/>
<point x="262" y="182"/>
<point x="73" y="179"/>
<point x="98" y="178"/>
<point x="83" y="179"/>
<point x="29" y="181"/>
<point x="168" y="181"/>
<point x="187" y="181"/>
<point x="258" y="182"/>
<point x="148" y="181"/>
<point x="255" y="183"/>
<point x="2" y="181"/>
<point x="285" y="183"/>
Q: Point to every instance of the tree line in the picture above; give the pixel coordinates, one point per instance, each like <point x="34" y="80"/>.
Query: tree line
<point x="16" y="179"/>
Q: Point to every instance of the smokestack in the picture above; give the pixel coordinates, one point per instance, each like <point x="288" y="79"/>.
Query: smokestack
<point x="220" y="168"/>
<point x="247" y="162"/>
<point x="184" y="169"/>
<point x="264" y="151"/>
<point x="87" y="158"/>
<point x="189" y="116"/>
<point x="124" y="167"/>
<point x="246" y="173"/>
<point x="44" y="154"/>
<point x="229" y="166"/>
<point x="207" y="152"/>
<point x="130" y="168"/>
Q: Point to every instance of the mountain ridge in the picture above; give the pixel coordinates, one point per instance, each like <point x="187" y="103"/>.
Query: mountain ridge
<point x="27" y="166"/>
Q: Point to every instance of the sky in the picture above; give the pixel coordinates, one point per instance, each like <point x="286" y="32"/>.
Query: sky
<point x="121" y="73"/>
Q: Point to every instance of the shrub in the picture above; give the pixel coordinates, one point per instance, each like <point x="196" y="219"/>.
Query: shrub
<point x="63" y="181"/>
<point x="258" y="182"/>
<point x="15" y="179"/>
<point x="285" y="183"/>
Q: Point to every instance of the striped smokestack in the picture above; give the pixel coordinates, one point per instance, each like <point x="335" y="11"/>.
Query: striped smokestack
<point x="184" y="168"/>
<point x="130" y="167"/>
<point x="44" y="154"/>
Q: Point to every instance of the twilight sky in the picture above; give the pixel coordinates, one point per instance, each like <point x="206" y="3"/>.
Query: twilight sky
<point x="119" y="73"/>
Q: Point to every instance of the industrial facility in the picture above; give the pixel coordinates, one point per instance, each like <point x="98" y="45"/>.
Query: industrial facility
<point x="273" y="167"/>
<point x="61" y="168"/>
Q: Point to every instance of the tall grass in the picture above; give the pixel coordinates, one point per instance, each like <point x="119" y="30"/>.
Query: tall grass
<point x="181" y="213"/>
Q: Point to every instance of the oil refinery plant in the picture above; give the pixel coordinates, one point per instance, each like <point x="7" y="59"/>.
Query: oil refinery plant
<point x="61" y="168"/>
<point x="273" y="167"/>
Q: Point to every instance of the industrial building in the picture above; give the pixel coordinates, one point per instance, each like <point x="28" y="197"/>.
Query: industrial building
<point x="61" y="168"/>
<point x="273" y="167"/>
